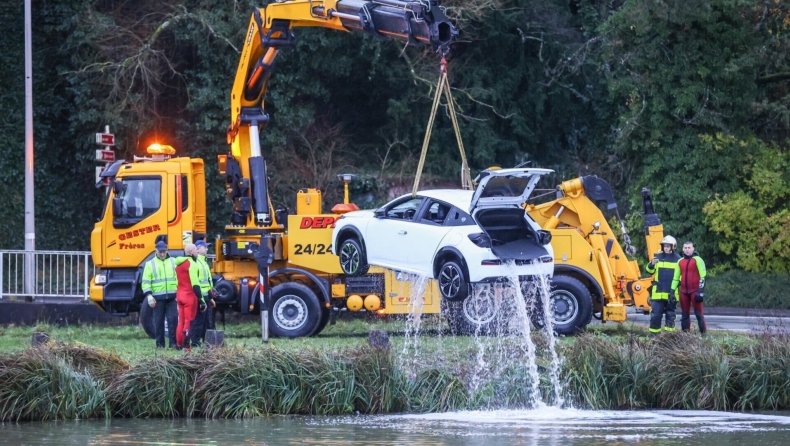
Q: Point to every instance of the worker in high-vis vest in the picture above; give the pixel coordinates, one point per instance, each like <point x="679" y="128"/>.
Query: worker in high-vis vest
<point x="666" y="279"/>
<point x="197" y="331"/>
<point x="159" y="286"/>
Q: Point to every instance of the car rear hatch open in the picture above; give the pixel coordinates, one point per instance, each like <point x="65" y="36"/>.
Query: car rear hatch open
<point x="497" y="206"/>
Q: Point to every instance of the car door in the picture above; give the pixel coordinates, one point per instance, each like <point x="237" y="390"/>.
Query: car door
<point x="426" y="234"/>
<point x="386" y="236"/>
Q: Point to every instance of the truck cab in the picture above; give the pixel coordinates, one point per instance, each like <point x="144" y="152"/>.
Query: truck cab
<point x="150" y="198"/>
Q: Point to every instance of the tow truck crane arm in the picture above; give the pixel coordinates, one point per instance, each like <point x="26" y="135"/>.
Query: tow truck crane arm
<point x="420" y="22"/>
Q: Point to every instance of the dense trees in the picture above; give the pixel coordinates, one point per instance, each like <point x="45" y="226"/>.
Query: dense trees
<point x="692" y="100"/>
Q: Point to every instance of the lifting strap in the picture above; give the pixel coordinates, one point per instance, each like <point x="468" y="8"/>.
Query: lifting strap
<point x="443" y="86"/>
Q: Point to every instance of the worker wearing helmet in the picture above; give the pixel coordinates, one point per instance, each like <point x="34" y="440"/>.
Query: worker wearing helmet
<point x="666" y="279"/>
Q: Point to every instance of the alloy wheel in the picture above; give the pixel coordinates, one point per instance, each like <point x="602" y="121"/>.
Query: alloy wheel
<point x="450" y="280"/>
<point x="349" y="258"/>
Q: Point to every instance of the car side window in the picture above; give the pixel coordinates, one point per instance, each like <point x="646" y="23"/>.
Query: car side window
<point x="405" y="210"/>
<point x="457" y="217"/>
<point x="435" y="213"/>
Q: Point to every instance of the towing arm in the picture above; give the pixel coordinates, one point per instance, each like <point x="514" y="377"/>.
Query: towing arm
<point x="654" y="230"/>
<point x="421" y="22"/>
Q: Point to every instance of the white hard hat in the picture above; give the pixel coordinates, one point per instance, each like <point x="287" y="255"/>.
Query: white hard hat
<point x="669" y="240"/>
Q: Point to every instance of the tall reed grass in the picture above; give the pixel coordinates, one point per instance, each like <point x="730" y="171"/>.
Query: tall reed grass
<point x="675" y="371"/>
<point x="680" y="371"/>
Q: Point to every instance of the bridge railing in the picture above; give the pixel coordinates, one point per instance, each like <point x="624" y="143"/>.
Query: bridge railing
<point x="57" y="275"/>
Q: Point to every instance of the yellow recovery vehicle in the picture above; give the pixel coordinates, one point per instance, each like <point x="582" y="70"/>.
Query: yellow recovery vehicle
<point x="163" y="196"/>
<point x="593" y="273"/>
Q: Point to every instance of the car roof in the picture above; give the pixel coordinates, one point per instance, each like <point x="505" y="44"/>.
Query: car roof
<point x="456" y="197"/>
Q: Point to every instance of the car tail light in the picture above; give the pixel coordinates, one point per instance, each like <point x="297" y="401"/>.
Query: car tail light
<point x="494" y="262"/>
<point x="481" y="239"/>
<point x="546" y="259"/>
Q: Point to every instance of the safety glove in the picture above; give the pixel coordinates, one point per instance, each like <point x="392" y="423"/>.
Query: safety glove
<point x="699" y="297"/>
<point x="151" y="301"/>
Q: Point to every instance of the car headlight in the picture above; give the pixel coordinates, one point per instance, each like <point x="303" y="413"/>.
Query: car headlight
<point x="101" y="278"/>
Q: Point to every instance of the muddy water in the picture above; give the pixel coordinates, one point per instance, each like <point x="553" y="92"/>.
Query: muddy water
<point x="548" y="426"/>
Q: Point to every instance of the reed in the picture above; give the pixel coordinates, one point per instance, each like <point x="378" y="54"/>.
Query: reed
<point x="673" y="371"/>
<point x="42" y="384"/>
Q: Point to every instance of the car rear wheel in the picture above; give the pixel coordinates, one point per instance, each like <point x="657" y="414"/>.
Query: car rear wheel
<point x="353" y="260"/>
<point x="452" y="283"/>
<point x="296" y="311"/>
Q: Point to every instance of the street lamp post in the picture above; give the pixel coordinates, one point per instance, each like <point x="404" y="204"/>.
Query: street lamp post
<point x="30" y="212"/>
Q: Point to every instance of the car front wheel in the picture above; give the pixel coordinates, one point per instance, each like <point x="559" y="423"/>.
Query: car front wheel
<point x="452" y="283"/>
<point x="353" y="260"/>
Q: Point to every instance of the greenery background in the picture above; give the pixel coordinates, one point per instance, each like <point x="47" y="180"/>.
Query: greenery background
<point x="691" y="99"/>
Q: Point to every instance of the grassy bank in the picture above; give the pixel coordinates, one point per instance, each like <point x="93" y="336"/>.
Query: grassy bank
<point x="122" y="375"/>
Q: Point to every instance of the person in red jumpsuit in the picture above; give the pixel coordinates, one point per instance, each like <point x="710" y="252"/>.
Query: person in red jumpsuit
<point x="186" y="298"/>
<point x="692" y="287"/>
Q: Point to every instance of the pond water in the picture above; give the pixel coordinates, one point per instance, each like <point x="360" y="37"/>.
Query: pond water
<point x="547" y="426"/>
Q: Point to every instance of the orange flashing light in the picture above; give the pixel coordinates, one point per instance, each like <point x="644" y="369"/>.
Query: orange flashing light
<point x="160" y="149"/>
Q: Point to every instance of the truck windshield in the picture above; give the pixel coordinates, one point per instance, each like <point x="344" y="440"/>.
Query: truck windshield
<point x="140" y="197"/>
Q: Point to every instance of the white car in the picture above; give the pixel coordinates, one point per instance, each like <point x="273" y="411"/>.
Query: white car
<point x="455" y="236"/>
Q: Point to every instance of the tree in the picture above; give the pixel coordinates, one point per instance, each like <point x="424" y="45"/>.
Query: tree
<point x="754" y="221"/>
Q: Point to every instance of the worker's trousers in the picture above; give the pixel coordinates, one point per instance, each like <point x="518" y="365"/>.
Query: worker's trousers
<point x="686" y="303"/>
<point x="660" y="308"/>
<point x="187" y="308"/>
<point x="165" y="310"/>
<point x="197" y="330"/>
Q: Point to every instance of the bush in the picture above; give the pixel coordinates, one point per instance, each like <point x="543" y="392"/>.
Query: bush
<point x="742" y="289"/>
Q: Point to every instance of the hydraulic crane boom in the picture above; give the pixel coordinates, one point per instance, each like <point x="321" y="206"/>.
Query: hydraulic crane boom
<point x="271" y="28"/>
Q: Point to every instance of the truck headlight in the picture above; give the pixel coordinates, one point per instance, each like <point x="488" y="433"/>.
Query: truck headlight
<point x="100" y="278"/>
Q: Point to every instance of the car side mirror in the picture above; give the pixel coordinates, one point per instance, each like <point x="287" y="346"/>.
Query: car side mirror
<point x="117" y="207"/>
<point x="380" y="213"/>
<point x="544" y="237"/>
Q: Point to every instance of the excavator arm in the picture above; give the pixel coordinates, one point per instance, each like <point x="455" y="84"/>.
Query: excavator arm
<point x="421" y="22"/>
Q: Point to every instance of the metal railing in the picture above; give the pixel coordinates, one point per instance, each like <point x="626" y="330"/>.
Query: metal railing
<point x="57" y="275"/>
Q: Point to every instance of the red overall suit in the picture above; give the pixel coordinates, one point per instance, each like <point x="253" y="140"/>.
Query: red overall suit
<point x="692" y="284"/>
<point x="186" y="301"/>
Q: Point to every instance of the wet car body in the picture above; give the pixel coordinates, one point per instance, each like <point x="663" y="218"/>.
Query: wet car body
<point x="455" y="236"/>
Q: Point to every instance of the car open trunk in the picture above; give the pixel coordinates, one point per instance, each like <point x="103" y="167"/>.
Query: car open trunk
<point x="512" y="238"/>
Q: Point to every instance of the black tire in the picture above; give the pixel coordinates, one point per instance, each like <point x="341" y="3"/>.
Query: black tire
<point x="452" y="283"/>
<point x="325" y="313"/>
<point x="295" y="311"/>
<point x="147" y="319"/>
<point x="475" y="315"/>
<point x="571" y="305"/>
<point x="353" y="259"/>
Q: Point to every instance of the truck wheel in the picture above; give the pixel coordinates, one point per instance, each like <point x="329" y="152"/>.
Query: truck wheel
<point x="452" y="283"/>
<point x="477" y="314"/>
<point x="571" y="305"/>
<point x="147" y="319"/>
<point x="325" y="313"/>
<point x="353" y="260"/>
<point x="295" y="312"/>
